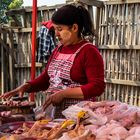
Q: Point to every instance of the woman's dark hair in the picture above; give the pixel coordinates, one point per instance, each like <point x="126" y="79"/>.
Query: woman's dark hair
<point x="70" y="14"/>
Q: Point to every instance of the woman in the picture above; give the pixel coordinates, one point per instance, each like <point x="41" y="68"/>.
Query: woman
<point x="75" y="70"/>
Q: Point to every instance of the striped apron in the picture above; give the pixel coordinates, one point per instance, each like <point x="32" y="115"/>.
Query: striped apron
<point x="59" y="73"/>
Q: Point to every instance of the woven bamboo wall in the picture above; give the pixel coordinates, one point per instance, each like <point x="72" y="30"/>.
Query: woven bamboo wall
<point x="119" y="44"/>
<point x="22" y="39"/>
<point x="22" y="33"/>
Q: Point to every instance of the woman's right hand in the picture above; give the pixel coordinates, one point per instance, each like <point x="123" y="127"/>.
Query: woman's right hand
<point x="18" y="91"/>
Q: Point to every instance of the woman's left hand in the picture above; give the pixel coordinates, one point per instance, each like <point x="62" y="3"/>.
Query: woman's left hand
<point x="54" y="99"/>
<point x="57" y="97"/>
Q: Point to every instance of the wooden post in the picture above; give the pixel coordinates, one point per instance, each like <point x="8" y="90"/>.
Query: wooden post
<point x="11" y="60"/>
<point x="34" y="17"/>
<point x="2" y="67"/>
<point x="97" y="25"/>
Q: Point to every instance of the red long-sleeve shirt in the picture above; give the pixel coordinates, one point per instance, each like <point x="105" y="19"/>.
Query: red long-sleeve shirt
<point x="87" y="69"/>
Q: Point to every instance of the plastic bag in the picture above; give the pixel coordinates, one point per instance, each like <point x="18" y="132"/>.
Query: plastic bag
<point x="39" y="113"/>
<point x="72" y="111"/>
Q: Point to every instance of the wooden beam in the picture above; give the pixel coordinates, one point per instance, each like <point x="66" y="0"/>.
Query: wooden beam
<point x="15" y="11"/>
<point x="123" y="82"/>
<point x="125" y="47"/>
<point x="26" y="65"/>
<point x="114" y="2"/>
<point x="96" y="3"/>
<point x="23" y="30"/>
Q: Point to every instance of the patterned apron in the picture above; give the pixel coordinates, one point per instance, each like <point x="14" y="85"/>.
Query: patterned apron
<point x="59" y="73"/>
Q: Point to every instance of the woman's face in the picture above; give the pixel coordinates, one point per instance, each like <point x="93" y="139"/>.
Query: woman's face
<point x="65" y="34"/>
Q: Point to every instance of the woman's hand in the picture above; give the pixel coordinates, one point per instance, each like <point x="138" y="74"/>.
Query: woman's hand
<point x="8" y="95"/>
<point x="54" y="99"/>
<point x="57" y="97"/>
<point x="18" y="91"/>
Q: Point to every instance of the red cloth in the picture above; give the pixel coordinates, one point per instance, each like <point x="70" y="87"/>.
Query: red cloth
<point x="87" y="69"/>
<point x="48" y="24"/>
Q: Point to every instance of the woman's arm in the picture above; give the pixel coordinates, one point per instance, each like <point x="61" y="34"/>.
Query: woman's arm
<point x="41" y="83"/>
<point x="88" y="69"/>
<point x="94" y="69"/>
<point x="57" y="97"/>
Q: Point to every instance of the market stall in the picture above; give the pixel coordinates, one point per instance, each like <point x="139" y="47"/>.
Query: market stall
<point x="105" y="120"/>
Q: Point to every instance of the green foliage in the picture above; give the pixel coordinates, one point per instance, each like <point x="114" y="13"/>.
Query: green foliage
<point x="15" y="4"/>
<point x="6" y="5"/>
<point x="3" y="7"/>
